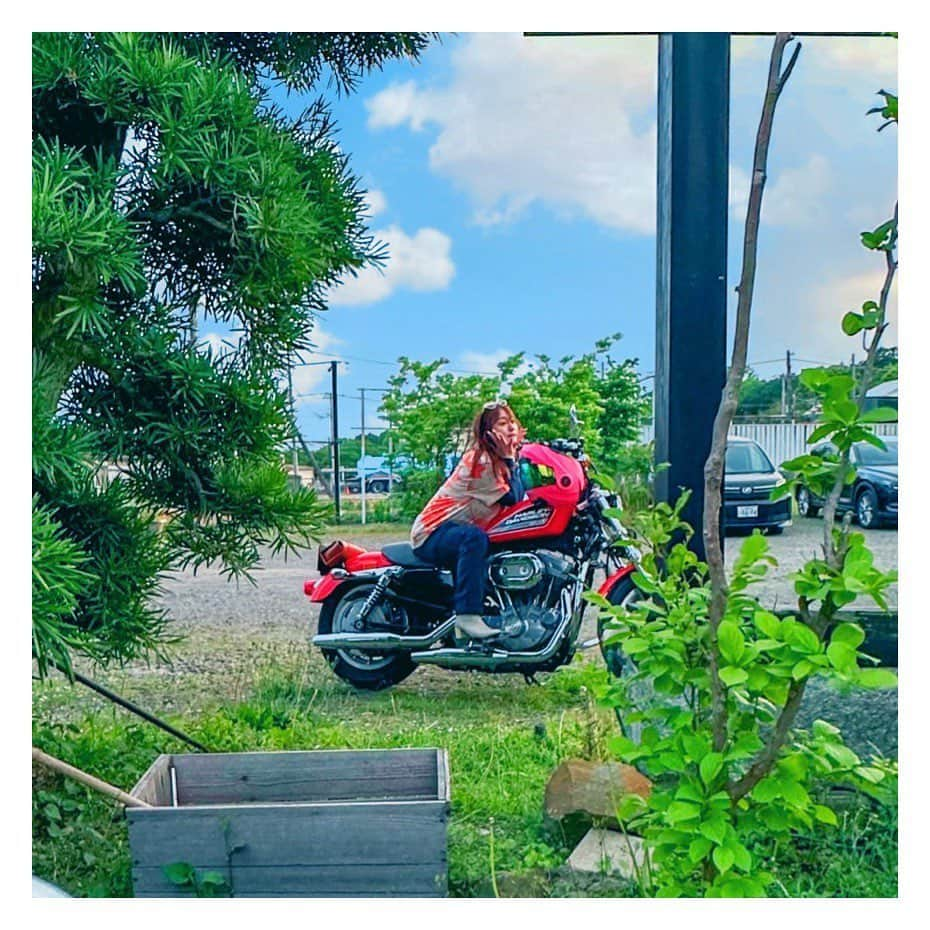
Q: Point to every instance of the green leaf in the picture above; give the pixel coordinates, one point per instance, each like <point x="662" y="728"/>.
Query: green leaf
<point x="681" y="811"/>
<point x="877" y="678"/>
<point x="841" y="656"/>
<point x="794" y="792"/>
<point x="871" y="774"/>
<point x="852" y="323"/>
<point x="179" y="873"/>
<point x="723" y="858"/>
<point x="710" y="767"/>
<point x="699" y="848"/>
<point x="825" y="815"/>
<point x="732" y="676"/>
<point x="850" y="634"/>
<point x="731" y="641"/>
<point x="742" y="887"/>
<point x="714" y="829"/>
<point x="801" y="637"/>
<point x="767" y="622"/>
<point x="741" y="857"/>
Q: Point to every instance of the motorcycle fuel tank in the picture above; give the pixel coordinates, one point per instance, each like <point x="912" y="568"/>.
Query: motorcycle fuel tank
<point x="554" y="484"/>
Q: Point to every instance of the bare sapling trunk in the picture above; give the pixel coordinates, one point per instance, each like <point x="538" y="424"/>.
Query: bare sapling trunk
<point x="714" y="467"/>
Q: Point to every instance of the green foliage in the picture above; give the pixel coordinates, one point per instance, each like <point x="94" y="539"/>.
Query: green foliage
<point x="763" y="397"/>
<point x="713" y="807"/>
<point x="714" y="679"/>
<point x="203" y="883"/>
<point x="504" y="740"/>
<point x="168" y="189"/>
<point x="431" y="409"/>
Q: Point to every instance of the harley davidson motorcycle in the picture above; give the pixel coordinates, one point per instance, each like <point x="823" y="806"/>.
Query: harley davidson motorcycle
<point x="384" y="613"/>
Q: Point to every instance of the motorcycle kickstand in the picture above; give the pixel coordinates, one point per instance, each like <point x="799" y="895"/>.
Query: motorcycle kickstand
<point x="531" y="679"/>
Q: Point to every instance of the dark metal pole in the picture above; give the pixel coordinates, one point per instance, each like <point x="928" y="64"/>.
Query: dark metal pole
<point x="133" y="708"/>
<point x="337" y="490"/>
<point x="691" y="259"/>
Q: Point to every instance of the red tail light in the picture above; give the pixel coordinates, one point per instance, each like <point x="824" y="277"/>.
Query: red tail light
<point x="335" y="554"/>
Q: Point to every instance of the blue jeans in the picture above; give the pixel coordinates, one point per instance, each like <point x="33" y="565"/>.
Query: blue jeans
<point x="461" y="547"/>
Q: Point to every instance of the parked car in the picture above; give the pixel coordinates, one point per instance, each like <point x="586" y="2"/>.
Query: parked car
<point x="873" y="496"/>
<point x="749" y="477"/>
<point x="378" y="482"/>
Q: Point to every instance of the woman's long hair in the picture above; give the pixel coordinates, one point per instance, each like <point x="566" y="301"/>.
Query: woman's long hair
<point x="480" y="428"/>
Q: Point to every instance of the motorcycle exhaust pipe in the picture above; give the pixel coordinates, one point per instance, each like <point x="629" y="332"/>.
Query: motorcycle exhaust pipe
<point x="384" y="642"/>
<point x="473" y="658"/>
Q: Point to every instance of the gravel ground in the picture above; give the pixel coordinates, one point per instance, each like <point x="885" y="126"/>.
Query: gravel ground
<point x="230" y="630"/>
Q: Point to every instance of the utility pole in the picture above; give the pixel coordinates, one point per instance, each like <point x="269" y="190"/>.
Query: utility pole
<point x="290" y="394"/>
<point x="693" y="94"/>
<point x="361" y="461"/>
<point x="337" y="489"/>
<point x="789" y="394"/>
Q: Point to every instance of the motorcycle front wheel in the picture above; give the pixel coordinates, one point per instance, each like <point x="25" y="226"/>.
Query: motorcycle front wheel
<point x="363" y="669"/>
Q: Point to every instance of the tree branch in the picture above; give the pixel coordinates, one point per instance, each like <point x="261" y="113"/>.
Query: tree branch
<point x="767" y="755"/>
<point x="714" y="467"/>
<point x="832" y="552"/>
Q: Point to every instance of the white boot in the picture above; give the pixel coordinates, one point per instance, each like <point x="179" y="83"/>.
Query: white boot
<point x="472" y="626"/>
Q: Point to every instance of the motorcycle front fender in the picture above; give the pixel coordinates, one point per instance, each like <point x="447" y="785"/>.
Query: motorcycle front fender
<point x="617" y="576"/>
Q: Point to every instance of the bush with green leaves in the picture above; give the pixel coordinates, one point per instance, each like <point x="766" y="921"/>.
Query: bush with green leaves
<point x="714" y="679"/>
<point x="715" y="806"/>
<point x="169" y="189"/>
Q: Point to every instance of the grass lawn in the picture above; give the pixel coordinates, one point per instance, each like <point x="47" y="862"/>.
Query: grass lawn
<point x="504" y="739"/>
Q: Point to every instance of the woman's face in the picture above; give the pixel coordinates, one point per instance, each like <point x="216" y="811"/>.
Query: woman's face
<point x="505" y="424"/>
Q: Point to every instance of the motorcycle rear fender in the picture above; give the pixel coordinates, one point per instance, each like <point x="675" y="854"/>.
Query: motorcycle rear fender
<point x="617" y="576"/>
<point x="318" y="589"/>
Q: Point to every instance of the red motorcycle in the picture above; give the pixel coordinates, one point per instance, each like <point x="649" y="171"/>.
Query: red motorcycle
<point x="384" y="613"/>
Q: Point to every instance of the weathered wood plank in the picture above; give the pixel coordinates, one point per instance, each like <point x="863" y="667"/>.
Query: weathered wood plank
<point x="264" y="777"/>
<point x="154" y="786"/>
<point x="398" y="833"/>
<point x="359" y="880"/>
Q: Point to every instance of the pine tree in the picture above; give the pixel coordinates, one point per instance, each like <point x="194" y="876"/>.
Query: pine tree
<point x="167" y="189"/>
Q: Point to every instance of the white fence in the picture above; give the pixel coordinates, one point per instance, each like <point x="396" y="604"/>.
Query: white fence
<point x="781" y="441"/>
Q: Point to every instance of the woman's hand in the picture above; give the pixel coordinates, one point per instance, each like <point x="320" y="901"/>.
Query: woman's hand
<point x="506" y="443"/>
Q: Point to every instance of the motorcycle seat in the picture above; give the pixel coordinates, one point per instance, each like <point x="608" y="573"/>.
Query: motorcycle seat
<point x="402" y="554"/>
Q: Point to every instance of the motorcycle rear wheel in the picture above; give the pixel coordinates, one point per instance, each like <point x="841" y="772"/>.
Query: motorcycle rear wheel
<point x="363" y="669"/>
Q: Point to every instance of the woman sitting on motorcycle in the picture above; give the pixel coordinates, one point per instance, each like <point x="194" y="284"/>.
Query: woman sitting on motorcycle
<point x="449" y="532"/>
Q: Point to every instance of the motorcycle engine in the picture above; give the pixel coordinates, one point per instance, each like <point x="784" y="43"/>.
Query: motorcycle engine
<point x="527" y="589"/>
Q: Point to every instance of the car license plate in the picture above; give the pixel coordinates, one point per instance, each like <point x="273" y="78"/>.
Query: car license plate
<point x="743" y="512"/>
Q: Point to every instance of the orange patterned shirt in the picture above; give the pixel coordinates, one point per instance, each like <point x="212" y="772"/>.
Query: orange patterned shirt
<point x="469" y="495"/>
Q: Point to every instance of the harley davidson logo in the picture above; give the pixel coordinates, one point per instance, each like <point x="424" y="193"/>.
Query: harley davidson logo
<point x="525" y="520"/>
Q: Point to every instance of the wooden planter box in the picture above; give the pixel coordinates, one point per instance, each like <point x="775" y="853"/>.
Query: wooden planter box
<point x="295" y="824"/>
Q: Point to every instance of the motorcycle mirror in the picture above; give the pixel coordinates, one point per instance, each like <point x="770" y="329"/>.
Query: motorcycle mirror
<point x="573" y="419"/>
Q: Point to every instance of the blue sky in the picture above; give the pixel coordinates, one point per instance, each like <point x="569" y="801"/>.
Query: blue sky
<point x="513" y="180"/>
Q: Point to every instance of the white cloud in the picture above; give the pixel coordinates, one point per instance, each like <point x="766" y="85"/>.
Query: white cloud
<point x="839" y="56"/>
<point x="487" y="362"/>
<point x="308" y="379"/>
<point x="421" y="262"/>
<point x="567" y="122"/>
<point x="375" y="202"/>
<point x="792" y="198"/>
